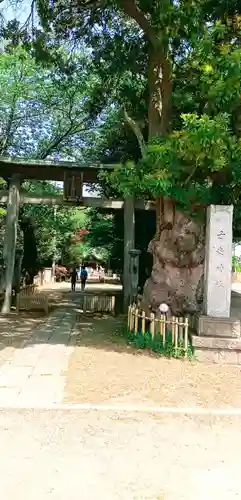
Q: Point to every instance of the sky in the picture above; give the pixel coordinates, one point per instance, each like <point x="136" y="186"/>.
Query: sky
<point x="19" y="12"/>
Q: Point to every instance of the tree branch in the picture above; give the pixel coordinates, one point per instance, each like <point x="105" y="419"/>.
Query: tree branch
<point x="8" y="130"/>
<point x="136" y="129"/>
<point x="130" y="8"/>
<point x="88" y="4"/>
<point x="191" y="175"/>
<point x="56" y="141"/>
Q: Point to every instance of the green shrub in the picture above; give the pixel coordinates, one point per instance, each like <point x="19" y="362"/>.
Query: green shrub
<point x="145" y="341"/>
<point x="236" y="264"/>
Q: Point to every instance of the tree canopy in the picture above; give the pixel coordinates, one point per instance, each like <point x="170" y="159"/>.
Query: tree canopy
<point x="45" y="114"/>
<point x="172" y="73"/>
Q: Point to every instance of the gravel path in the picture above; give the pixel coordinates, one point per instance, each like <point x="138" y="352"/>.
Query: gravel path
<point x="87" y="455"/>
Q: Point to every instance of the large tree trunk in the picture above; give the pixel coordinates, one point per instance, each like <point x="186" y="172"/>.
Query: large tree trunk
<point x="178" y="260"/>
<point x="160" y="93"/>
<point x="178" y="246"/>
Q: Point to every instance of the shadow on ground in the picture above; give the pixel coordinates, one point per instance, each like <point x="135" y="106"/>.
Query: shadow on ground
<point x="17" y="330"/>
<point x="103" y="368"/>
<point x="105" y="332"/>
<point x="100" y="331"/>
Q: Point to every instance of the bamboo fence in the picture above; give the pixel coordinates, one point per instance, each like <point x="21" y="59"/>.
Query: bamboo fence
<point x="139" y="322"/>
<point x="98" y="303"/>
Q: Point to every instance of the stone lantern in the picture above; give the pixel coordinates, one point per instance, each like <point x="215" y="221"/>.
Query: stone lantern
<point x="134" y="273"/>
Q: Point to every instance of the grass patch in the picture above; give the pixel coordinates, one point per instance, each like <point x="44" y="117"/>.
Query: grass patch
<point x="155" y="344"/>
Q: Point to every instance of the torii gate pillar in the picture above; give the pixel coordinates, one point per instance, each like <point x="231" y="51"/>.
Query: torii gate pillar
<point x="10" y="240"/>
<point x="129" y="244"/>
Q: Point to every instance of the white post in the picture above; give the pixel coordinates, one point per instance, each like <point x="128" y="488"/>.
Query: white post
<point x="10" y="240"/>
<point x="129" y="244"/>
<point x="218" y="261"/>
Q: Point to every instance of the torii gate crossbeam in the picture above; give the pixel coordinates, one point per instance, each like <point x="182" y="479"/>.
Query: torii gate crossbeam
<point x="16" y="170"/>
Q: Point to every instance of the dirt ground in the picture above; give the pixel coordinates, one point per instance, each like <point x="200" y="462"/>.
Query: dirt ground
<point x="103" y="369"/>
<point x="61" y="455"/>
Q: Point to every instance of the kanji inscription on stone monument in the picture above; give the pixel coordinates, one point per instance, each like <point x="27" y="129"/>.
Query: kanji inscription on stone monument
<point x="218" y="261"/>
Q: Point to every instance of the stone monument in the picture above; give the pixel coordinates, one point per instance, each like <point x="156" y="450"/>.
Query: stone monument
<point x="218" y="261"/>
<point x="218" y="334"/>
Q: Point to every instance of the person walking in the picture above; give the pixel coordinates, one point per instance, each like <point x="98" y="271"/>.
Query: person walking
<point x="73" y="279"/>
<point x="83" y="276"/>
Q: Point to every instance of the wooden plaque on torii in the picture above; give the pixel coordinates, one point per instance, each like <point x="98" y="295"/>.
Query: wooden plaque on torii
<point x="73" y="186"/>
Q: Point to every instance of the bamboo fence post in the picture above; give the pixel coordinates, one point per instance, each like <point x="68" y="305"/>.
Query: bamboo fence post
<point x="113" y="303"/>
<point x="136" y="319"/>
<point x="181" y="324"/>
<point x="186" y="336"/>
<point x="131" y="318"/>
<point x="162" y="323"/>
<point x="173" y="328"/>
<point x="128" y="320"/>
<point x="152" y="324"/>
<point x="143" y="322"/>
<point x="131" y="312"/>
<point x="190" y="320"/>
<point x="176" y="333"/>
<point x="164" y="329"/>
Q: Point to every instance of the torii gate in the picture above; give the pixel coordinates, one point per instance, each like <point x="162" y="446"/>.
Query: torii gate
<point x="73" y="175"/>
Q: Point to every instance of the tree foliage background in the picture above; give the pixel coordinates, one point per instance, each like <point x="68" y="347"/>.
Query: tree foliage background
<point x="185" y="123"/>
<point x="44" y="114"/>
<point x="83" y="76"/>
